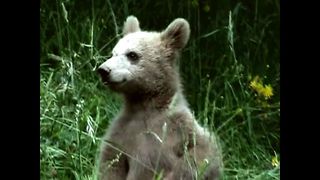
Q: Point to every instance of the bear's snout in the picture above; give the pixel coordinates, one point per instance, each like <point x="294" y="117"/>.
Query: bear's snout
<point x="104" y="73"/>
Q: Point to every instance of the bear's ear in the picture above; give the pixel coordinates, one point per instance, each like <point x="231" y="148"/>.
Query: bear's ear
<point x="131" y="25"/>
<point x="177" y="34"/>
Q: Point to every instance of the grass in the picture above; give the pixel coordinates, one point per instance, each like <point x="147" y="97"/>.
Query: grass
<point x="231" y="43"/>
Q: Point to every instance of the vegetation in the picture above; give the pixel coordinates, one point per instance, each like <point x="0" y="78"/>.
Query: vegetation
<point x="230" y="68"/>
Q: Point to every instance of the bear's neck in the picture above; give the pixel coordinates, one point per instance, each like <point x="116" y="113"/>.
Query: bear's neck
<point x="152" y="101"/>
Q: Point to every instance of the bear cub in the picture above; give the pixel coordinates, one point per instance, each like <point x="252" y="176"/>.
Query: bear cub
<point x="155" y="134"/>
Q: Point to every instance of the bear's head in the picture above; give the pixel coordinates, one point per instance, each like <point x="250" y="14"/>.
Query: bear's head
<point x="143" y="62"/>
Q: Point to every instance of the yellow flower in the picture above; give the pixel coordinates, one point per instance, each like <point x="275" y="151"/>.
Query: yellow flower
<point x="257" y="85"/>
<point x="275" y="161"/>
<point x="254" y="84"/>
<point x="267" y="91"/>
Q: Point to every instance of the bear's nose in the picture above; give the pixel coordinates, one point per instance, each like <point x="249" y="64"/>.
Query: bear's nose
<point x="104" y="72"/>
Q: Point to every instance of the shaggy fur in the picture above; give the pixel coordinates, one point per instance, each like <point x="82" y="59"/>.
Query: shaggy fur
<point x="155" y="131"/>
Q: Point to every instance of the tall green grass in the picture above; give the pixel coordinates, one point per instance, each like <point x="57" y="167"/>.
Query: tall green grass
<point x="231" y="43"/>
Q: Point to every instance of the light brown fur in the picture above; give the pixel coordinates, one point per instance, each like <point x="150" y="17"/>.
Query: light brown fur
<point x="156" y="131"/>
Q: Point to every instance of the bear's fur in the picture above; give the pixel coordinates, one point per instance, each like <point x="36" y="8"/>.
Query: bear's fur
<point x="155" y="132"/>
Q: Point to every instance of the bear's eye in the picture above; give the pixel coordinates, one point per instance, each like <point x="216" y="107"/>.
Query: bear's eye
<point x="132" y="56"/>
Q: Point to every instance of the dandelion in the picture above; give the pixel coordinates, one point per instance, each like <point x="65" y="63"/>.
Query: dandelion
<point x="267" y="91"/>
<point x="257" y="85"/>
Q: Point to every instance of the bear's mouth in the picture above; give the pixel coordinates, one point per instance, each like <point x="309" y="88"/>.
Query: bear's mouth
<point x="107" y="82"/>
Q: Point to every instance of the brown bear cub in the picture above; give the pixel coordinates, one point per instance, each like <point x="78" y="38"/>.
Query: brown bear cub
<point x="155" y="134"/>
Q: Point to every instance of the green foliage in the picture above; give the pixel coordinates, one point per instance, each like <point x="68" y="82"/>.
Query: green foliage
<point x="231" y="43"/>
